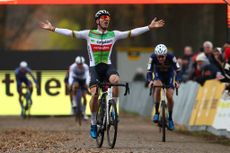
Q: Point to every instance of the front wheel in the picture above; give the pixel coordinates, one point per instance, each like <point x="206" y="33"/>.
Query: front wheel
<point x="100" y="126"/>
<point x="113" y="124"/>
<point x="163" y="121"/>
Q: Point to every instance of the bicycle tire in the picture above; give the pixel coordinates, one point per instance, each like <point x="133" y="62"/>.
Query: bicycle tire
<point x="113" y="122"/>
<point x="163" y="120"/>
<point x="78" y="113"/>
<point x="100" y="130"/>
<point x="28" y="103"/>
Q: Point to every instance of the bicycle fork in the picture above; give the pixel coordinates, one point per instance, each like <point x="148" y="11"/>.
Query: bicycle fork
<point x="110" y="96"/>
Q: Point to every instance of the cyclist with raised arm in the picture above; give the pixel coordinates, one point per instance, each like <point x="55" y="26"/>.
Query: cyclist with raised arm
<point x="100" y="42"/>
<point x="164" y="65"/>
<point x="79" y="78"/>
<point x="20" y="74"/>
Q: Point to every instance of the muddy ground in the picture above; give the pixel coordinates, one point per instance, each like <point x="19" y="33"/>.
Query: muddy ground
<point x="62" y="134"/>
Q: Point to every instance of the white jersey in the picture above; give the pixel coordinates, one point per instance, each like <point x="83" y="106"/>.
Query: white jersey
<point x="100" y="44"/>
<point x="76" y="73"/>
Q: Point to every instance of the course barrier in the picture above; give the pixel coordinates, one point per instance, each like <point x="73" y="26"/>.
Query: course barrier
<point x="50" y="98"/>
<point x="196" y="107"/>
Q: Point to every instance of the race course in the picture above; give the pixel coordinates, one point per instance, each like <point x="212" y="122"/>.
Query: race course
<point x="62" y="134"/>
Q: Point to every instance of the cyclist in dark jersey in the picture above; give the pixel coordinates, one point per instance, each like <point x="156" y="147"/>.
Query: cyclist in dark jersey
<point x="20" y="74"/>
<point x="100" y="43"/>
<point x="163" y="65"/>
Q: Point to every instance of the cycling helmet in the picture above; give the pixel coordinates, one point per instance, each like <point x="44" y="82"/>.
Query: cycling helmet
<point x="80" y="60"/>
<point x="23" y="64"/>
<point x="100" y="13"/>
<point x="161" y="49"/>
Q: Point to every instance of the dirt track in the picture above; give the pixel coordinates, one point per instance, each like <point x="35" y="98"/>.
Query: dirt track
<point x="62" y="134"/>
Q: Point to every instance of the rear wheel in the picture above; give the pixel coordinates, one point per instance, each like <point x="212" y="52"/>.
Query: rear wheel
<point x="100" y="126"/>
<point x="113" y="124"/>
<point x="78" y="111"/>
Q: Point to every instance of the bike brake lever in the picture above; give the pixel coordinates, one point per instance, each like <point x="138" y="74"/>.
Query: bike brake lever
<point x="127" y="91"/>
<point x="151" y="90"/>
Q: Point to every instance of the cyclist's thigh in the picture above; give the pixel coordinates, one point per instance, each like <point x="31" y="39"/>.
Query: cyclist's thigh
<point x="93" y="77"/>
<point x="74" y="86"/>
<point x="19" y="86"/>
<point x="112" y="75"/>
<point x="27" y="82"/>
<point x="157" y="82"/>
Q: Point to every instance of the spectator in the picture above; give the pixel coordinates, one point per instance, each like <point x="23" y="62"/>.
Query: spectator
<point x="208" y="70"/>
<point x="187" y="64"/>
<point x="226" y="67"/>
<point x="139" y="75"/>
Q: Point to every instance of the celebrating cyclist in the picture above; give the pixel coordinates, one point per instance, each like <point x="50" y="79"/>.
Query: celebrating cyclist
<point x="79" y="78"/>
<point x="100" y="42"/>
<point x="20" y="74"/>
<point x="163" y="65"/>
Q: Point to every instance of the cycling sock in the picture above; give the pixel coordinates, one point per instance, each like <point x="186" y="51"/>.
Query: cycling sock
<point x="170" y="115"/>
<point x="157" y="107"/>
<point x="116" y="101"/>
<point x="74" y="102"/>
<point x="93" y="118"/>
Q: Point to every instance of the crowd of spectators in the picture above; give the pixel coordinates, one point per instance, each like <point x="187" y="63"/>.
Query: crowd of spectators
<point x="205" y="64"/>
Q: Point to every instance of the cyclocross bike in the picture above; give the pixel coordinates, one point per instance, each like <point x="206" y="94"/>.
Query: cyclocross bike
<point x="26" y="104"/>
<point x="107" y="117"/>
<point x="163" y="116"/>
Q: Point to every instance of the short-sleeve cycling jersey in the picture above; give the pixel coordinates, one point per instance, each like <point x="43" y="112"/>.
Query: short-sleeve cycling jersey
<point x="164" y="72"/>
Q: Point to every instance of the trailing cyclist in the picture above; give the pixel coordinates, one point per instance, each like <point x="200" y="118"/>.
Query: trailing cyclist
<point x="20" y="74"/>
<point x="100" y="42"/>
<point x="163" y="65"/>
<point x="79" y="78"/>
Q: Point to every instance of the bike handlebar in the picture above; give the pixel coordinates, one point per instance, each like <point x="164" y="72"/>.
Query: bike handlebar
<point x="152" y="88"/>
<point x="126" y="85"/>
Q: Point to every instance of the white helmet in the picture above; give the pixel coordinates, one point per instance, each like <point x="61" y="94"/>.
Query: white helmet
<point x="80" y="60"/>
<point x="23" y="64"/>
<point x="161" y="49"/>
<point x="100" y="13"/>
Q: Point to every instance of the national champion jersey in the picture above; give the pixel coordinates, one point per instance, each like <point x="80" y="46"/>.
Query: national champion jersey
<point x="100" y="45"/>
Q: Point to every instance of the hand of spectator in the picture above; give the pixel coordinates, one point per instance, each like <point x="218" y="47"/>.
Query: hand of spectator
<point x="219" y="76"/>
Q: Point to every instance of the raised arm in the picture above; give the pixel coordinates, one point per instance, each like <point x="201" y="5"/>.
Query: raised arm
<point x="138" y="31"/>
<point x="71" y="33"/>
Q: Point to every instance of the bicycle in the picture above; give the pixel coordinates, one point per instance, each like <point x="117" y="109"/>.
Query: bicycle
<point x="107" y="117"/>
<point x="26" y="104"/>
<point x="163" y="121"/>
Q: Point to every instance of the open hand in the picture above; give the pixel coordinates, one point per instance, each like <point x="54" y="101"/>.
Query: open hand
<point x="156" y="23"/>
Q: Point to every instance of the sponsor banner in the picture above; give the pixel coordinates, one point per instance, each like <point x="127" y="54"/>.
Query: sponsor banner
<point x="50" y="98"/>
<point x="207" y="100"/>
<point x="111" y="2"/>
<point x="222" y="118"/>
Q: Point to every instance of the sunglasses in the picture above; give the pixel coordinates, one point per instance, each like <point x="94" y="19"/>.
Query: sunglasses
<point x="161" y="56"/>
<point x="105" y="17"/>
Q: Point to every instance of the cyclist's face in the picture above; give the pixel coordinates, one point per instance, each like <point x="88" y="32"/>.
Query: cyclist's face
<point x="80" y="66"/>
<point x="161" y="58"/>
<point x="23" y="69"/>
<point x="104" y="21"/>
